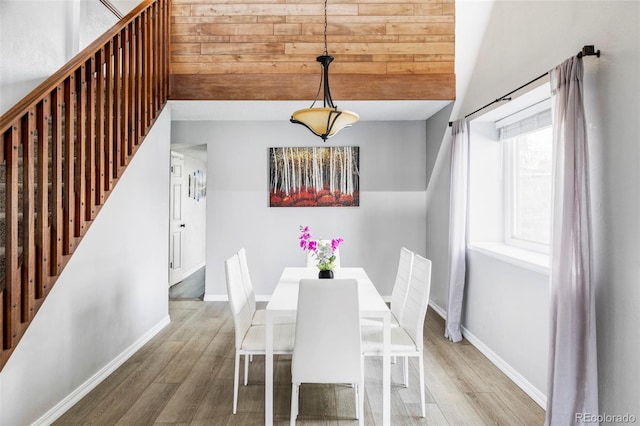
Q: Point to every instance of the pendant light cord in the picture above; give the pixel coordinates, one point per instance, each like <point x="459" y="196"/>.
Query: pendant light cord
<point x="325" y="28"/>
<point x="324" y="101"/>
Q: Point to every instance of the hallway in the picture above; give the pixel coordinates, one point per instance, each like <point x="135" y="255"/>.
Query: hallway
<point x="191" y="288"/>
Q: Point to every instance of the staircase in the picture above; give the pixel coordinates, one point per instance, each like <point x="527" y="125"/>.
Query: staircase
<point x="63" y="149"/>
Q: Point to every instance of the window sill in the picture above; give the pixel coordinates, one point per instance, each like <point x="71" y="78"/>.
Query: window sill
<point x="533" y="261"/>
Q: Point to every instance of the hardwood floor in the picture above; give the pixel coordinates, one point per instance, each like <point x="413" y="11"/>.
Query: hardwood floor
<point x="191" y="288"/>
<point x="184" y="376"/>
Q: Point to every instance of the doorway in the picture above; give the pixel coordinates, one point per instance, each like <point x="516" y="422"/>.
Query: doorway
<point x="187" y="239"/>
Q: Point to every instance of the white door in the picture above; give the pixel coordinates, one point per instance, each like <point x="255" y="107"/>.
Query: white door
<point x="177" y="226"/>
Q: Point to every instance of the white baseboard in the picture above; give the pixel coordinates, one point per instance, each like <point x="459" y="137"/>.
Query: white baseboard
<point x="215" y="298"/>
<point x="225" y="298"/>
<point x="438" y="310"/>
<point x="70" y="400"/>
<point x="517" y="378"/>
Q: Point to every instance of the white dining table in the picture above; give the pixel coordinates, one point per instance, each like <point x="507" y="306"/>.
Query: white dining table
<point x="284" y="302"/>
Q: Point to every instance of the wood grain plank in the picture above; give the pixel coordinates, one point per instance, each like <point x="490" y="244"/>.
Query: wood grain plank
<point x="372" y="48"/>
<point x="303" y="87"/>
<point x="492" y="409"/>
<point x="226" y="19"/>
<point x="217" y="401"/>
<point x="287" y="29"/>
<point x="420" y="28"/>
<point x="114" y="405"/>
<point x="508" y="392"/>
<point x="181" y="365"/>
<point x="386" y="9"/>
<point x="254" y="9"/>
<point x="279" y="68"/>
<point x="420" y="68"/>
<point x="316" y="39"/>
<point x="336" y="19"/>
<point x="183" y="403"/>
<point x="149" y="405"/>
<point x="226" y="48"/>
<point x="90" y="402"/>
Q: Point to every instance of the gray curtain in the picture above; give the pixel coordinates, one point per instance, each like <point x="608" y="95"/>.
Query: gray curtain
<point x="457" y="227"/>
<point x="573" y="376"/>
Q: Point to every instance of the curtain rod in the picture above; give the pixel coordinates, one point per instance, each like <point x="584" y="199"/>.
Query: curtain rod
<point x="586" y="51"/>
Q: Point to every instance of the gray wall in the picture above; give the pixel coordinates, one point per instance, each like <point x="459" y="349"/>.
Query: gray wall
<point x="392" y="199"/>
<point x="438" y="157"/>
<point x="109" y="298"/>
<point x="524" y="39"/>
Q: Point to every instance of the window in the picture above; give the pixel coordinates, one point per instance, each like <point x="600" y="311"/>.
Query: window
<point x="510" y="182"/>
<point x="528" y="168"/>
<point x="527" y="139"/>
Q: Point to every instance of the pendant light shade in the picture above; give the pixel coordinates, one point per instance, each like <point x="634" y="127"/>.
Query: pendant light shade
<point x="327" y="120"/>
<point x="324" y="122"/>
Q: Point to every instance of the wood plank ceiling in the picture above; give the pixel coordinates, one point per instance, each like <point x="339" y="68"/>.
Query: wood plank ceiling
<point x="266" y="49"/>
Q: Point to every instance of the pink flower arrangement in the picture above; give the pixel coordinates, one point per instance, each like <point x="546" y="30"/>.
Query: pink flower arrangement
<point x="323" y="251"/>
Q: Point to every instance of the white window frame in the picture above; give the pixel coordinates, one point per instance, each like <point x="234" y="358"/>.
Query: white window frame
<point x="510" y="177"/>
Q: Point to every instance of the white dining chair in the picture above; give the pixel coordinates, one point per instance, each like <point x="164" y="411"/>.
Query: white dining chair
<point x="250" y="339"/>
<point x="407" y="338"/>
<point x="400" y="290"/>
<point x="312" y="261"/>
<point x="246" y="280"/>
<point x="328" y="347"/>
<point x="258" y="316"/>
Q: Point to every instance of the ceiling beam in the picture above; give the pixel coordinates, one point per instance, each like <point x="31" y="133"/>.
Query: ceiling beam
<point x="305" y="86"/>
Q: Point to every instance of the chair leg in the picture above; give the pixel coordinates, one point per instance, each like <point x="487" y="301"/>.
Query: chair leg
<point x="405" y="368"/>
<point x="294" y="403"/>
<point x="361" y="403"/>
<point x="421" y="362"/>
<point x="246" y="369"/>
<point x="236" y="379"/>
<point x="357" y="399"/>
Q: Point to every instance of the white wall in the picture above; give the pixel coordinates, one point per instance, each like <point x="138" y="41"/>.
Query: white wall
<point x="392" y="199"/>
<point x="438" y="157"/>
<point x="109" y="298"/>
<point x="37" y="37"/>
<point x="523" y="40"/>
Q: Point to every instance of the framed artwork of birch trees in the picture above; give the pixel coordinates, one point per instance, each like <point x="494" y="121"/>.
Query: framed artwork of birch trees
<point x="314" y="176"/>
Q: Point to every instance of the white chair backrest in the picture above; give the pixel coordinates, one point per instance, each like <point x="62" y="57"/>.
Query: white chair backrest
<point x="401" y="285"/>
<point x="237" y="299"/>
<point x="415" y="308"/>
<point x="328" y="346"/>
<point x="312" y="261"/>
<point x="246" y="280"/>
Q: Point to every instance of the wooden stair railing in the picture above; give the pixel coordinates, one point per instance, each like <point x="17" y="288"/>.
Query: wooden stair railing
<point x="64" y="147"/>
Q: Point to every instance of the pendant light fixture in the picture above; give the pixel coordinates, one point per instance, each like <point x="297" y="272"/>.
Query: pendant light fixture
<point x="328" y="120"/>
